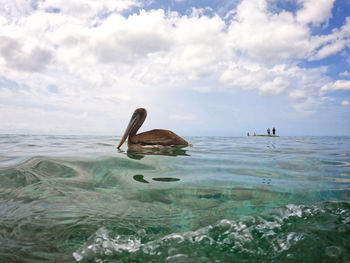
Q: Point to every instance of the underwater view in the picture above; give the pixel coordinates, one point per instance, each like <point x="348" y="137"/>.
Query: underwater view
<point x="226" y="199"/>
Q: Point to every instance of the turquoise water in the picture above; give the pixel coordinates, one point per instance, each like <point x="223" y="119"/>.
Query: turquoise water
<point x="226" y="199"/>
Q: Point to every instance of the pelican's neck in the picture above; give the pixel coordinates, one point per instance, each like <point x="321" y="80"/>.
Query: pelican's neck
<point x="139" y="123"/>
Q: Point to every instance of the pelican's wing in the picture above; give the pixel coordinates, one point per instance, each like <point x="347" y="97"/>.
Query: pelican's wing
<point x="158" y="137"/>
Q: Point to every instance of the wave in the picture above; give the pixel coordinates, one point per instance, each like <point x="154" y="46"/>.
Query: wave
<point x="294" y="233"/>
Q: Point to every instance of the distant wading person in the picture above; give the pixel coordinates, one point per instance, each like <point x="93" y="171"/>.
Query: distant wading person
<point x="268" y="131"/>
<point x="274" y="131"/>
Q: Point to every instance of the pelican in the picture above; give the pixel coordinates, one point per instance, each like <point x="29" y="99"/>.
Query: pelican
<point x="149" y="139"/>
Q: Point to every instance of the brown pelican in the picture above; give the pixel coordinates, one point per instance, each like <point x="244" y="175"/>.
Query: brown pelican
<point x="149" y="139"/>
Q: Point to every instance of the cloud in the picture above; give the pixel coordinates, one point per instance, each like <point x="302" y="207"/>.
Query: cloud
<point x="88" y="8"/>
<point x="314" y="11"/>
<point x="298" y="83"/>
<point x="202" y="89"/>
<point x="183" y="46"/>
<point x="329" y="49"/>
<point x="345" y="102"/>
<point x="182" y="117"/>
<point x="326" y="45"/>
<point x="339" y="85"/>
<point x="15" y="56"/>
<point x="344" y="74"/>
<point x="325" y="98"/>
<point x="268" y="37"/>
<point x="12" y="11"/>
<point x="127" y="40"/>
<point x="90" y="59"/>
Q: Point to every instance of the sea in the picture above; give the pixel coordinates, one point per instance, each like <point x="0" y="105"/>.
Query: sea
<point x="225" y="199"/>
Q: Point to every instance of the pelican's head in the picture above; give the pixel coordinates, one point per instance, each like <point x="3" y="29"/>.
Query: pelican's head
<point x="135" y="123"/>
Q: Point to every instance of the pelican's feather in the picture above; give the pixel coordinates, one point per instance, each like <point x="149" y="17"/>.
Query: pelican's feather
<point x="157" y="137"/>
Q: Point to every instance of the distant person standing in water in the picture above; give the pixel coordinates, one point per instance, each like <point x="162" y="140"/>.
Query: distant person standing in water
<point x="268" y="131"/>
<point x="273" y="131"/>
<point x="248" y="134"/>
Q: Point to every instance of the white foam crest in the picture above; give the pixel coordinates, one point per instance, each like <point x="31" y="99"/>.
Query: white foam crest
<point x="102" y="243"/>
<point x="234" y="235"/>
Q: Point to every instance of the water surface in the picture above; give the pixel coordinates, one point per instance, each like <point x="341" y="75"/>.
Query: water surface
<point x="226" y="199"/>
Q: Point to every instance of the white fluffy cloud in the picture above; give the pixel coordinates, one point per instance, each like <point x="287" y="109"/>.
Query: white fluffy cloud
<point x="336" y="86"/>
<point x="265" y="36"/>
<point x="98" y="61"/>
<point x="314" y="11"/>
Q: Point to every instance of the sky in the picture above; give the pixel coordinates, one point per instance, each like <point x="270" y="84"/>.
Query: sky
<point x="199" y="67"/>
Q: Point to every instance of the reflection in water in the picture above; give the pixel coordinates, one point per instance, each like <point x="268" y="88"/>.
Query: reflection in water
<point x="134" y="156"/>
<point x="337" y="163"/>
<point x="140" y="178"/>
<point x="140" y="153"/>
<point x="166" y="179"/>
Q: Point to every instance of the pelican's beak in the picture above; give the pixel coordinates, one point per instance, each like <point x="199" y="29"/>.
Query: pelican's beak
<point x="131" y="124"/>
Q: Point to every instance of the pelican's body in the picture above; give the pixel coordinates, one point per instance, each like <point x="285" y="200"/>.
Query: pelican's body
<point x="149" y="139"/>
